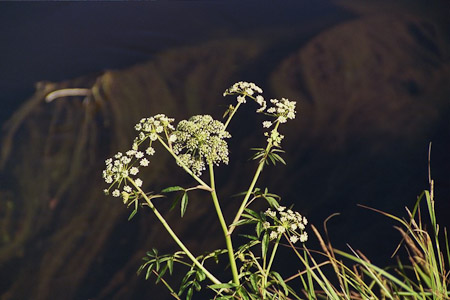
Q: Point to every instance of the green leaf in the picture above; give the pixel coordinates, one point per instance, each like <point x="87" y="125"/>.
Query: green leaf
<point x="272" y="201"/>
<point x="265" y="244"/>
<point x="161" y="274"/>
<point x="175" y="202"/>
<point x="252" y="213"/>
<point x="172" y="189"/>
<point x="243" y="293"/>
<point x="279" y="158"/>
<point x="149" y="271"/>
<point x="222" y="286"/>
<point x="200" y="275"/>
<point x="281" y="282"/>
<point x="197" y="286"/>
<point x="259" y="228"/>
<point x="272" y="159"/>
<point x="170" y="264"/>
<point x="190" y="293"/>
<point x="184" y="203"/>
<point x="133" y="213"/>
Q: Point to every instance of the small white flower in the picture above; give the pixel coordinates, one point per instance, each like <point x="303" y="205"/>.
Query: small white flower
<point x="150" y="151"/>
<point x="134" y="171"/>
<point x="270" y="213"/>
<point x="281" y="229"/>
<point x="281" y="208"/>
<point x="303" y="237"/>
<point x="125" y="197"/>
<point x="267" y="124"/>
<point x="125" y="159"/>
<point x="293" y="239"/>
<point x="273" y="235"/>
<point x="139" y="154"/>
<point x="144" y="162"/>
<point x="260" y="100"/>
<point x="131" y="152"/>
<point x="172" y="138"/>
<point x="153" y="136"/>
<point x="116" y="193"/>
<point x="127" y="189"/>
<point x="282" y="119"/>
<point x="138" y="182"/>
<point x="106" y="191"/>
<point x="241" y="99"/>
<point x="266" y="225"/>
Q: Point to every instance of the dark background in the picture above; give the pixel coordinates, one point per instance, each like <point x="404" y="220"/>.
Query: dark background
<point x="372" y="84"/>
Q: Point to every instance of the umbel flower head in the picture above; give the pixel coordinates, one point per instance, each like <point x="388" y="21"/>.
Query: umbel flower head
<point x="123" y="168"/>
<point x="249" y="89"/>
<point x="201" y="140"/>
<point x="286" y="221"/>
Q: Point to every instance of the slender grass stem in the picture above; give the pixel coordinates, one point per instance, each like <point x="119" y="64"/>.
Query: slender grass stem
<point x="224" y="226"/>
<point x="173" y="234"/>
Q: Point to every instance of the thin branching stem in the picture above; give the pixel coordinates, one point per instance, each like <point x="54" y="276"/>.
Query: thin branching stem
<point x="173" y="234"/>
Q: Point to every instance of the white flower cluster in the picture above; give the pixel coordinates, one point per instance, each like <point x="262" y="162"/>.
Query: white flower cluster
<point x="247" y="89"/>
<point x="120" y="169"/>
<point x="201" y="140"/>
<point x="286" y="221"/>
<point x="283" y="109"/>
<point x="123" y="168"/>
<point x="149" y="128"/>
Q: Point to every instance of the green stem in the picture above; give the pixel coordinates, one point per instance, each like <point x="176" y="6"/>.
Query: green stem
<point x="224" y="226"/>
<point x="173" y="235"/>
<point x="247" y="196"/>
<point x="231" y="115"/>
<point x="206" y="186"/>
<point x="252" y="186"/>
<point x="269" y="266"/>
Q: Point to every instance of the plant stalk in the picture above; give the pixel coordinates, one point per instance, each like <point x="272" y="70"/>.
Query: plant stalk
<point x="252" y="186"/>
<point x="173" y="234"/>
<point x="224" y="226"/>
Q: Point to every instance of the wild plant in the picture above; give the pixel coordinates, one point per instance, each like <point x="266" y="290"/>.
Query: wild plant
<point x="198" y="145"/>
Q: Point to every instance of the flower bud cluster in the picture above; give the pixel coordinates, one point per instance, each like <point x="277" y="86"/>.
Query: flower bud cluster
<point x="201" y="140"/>
<point x="274" y="137"/>
<point x="125" y="167"/>
<point x="249" y="89"/>
<point x="286" y="221"/>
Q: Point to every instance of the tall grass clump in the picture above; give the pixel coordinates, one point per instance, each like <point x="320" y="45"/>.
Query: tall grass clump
<point x="199" y="145"/>
<point x="425" y="274"/>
